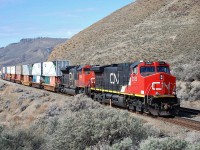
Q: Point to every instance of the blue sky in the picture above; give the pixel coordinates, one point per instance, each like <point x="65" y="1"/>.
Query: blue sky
<point x="51" y="18"/>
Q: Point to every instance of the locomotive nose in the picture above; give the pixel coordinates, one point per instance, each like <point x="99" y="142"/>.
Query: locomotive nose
<point x="160" y="84"/>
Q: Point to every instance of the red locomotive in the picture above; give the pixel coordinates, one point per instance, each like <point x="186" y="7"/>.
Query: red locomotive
<point x="75" y="79"/>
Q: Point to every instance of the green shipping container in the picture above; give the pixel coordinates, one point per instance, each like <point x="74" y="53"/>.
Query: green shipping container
<point x="47" y="80"/>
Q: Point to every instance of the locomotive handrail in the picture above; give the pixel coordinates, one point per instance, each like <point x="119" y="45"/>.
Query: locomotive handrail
<point x="148" y="91"/>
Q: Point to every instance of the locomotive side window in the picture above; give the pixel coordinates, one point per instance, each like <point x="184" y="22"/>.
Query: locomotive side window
<point x="147" y="70"/>
<point x="135" y="70"/>
<point x="163" y="69"/>
<point x="87" y="71"/>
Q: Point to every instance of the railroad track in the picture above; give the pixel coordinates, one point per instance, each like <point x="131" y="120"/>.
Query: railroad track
<point x="190" y="111"/>
<point x="188" y="123"/>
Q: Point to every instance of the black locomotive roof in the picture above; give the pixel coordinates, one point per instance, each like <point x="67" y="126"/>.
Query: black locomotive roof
<point x="79" y="68"/>
<point x="66" y="69"/>
<point x="99" y="68"/>
<point x="135" y="64"/>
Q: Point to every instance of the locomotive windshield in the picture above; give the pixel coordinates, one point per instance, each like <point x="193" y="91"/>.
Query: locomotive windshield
<point x="163" y="69"/>
<point x="147" y="70"/>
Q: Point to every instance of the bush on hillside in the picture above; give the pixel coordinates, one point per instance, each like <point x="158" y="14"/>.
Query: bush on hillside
<point x="164" y="144"/>
<point x="188" y="90"/>
<point x="125" y="144"/>
<point x="193" y="137"/>
<point x="20" y="140"/>
<point x="187" y="72"/>
<point x="81" y="102"/>
<point x="89" y="127"/>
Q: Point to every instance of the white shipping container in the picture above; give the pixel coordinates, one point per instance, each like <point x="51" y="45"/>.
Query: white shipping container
<point x="12" y="70"/>
<point x="8" y="70"/>
<point x="27" y="69"/>
<point x="4" y="70"/>
<point x="37" y="69"/>
<point x="53" y="68"/>
<point x="19" y="70"/>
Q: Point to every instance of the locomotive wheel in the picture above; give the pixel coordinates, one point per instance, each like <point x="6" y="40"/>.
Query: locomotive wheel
<point x="132" y="108"/>
<point x="139" y="109"/>
<point x="153" y="112"/>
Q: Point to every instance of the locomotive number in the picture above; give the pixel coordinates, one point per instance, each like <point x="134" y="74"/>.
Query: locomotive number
<point x="113" y="78"/>
<point x="134" y="78"/>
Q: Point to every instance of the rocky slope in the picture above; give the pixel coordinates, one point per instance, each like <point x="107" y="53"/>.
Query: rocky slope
<point x="144" y="30"/>
<point x="28" y="51"/>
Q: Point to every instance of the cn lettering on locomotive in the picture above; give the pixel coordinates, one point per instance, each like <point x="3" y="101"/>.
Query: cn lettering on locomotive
<point x="114" y="79"/>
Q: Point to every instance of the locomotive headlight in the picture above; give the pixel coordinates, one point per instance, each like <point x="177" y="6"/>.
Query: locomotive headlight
<point x="157" y="94"/>
<point x="174" y="92"/>
<point x="161" y="77"/>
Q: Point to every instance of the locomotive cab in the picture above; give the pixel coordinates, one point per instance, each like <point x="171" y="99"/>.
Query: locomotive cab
<point x="153" y="82"/>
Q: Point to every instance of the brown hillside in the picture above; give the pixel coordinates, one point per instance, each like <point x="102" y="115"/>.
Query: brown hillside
<point x="146" y="29"/>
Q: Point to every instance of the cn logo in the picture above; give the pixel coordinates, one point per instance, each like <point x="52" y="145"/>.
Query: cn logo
<point x="114" y="79"/>
<point x="154" y="86"/>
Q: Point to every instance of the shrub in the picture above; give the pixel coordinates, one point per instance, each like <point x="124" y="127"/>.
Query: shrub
<point x="89" y="127"/>
<point x="188" y="90"/>
<point x="125" y="144"/>
<point x="23" y="107"/>
<point x="193" y="137"/>
<point x="7" y="105"/>
<point x="53" y="110"/>
<point x="81" y="102"/>
<point x="163" y="144"/>
<point x="18" y="90"/>
<point x="21" y="140"/>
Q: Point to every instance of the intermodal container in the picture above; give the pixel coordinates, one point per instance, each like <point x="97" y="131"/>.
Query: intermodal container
<point x="8" y="70"/>
<point x="37" y="69"/>
<point x="19" y="70"/>
<point x="27" y="69"/>
<point x="12" y="70"/>
<point x="53" y="68"/>
<point x="4" y="70"/>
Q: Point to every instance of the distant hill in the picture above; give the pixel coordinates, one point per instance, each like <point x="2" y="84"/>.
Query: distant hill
<point x="28" y="51"/>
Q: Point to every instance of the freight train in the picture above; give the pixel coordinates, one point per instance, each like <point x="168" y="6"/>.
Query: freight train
<point x="138" y="86"/>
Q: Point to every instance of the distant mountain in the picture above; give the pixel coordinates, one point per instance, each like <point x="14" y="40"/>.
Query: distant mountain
<point x="28" y="51"/>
